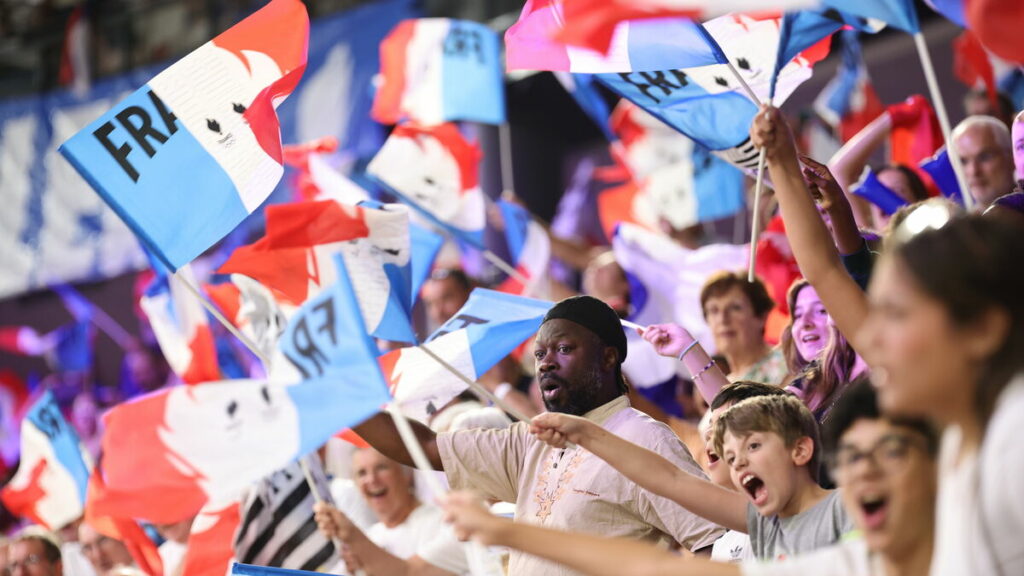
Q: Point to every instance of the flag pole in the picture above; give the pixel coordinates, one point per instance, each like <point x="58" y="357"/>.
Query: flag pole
<point x="224" y="321"/>
<point x="758" y="185"/>
<point x="505" y="267"/>
<point x="940" y="111"/>
<point x="415" y="449"/>
<point x="111" y="328"/>
<point x="476" y="386"/>
<point x="505" y="148"/>
<point x="314" y="489"/>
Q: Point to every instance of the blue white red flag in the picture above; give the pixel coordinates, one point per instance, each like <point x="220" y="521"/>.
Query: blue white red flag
<point x="631" y="46"/>
<point x="50" y="485"/>
<point x="583" y="90"/>
<point x="214" y="112"/>
<point x="849" y="102"/>
<point x="941" y="171"/>
<point x="530" y="250"/>
<point x="872" y="190"/>
<point x="486" y="329"/>
<point x="168" y="453"/>
<point x="181" y="327"/>
<point x="705" y="103"/>
<point x="434" y="170"/>
<point x="294" y="258"/>
<point x="435" y="70"/>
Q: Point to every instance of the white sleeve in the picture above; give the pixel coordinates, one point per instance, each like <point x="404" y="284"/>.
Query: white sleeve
<point x="848" y="558"/>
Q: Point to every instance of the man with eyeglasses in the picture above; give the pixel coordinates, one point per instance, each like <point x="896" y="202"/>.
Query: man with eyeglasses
<point x="103" y="552"/>
<point x="34" y="552"/>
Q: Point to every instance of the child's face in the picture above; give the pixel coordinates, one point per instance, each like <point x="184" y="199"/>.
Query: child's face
<point x="888" y="484"/>
<point x="762" y="468"/>
<point x="718" y="470"/>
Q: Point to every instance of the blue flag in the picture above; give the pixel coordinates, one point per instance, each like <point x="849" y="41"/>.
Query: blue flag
<point x="898" y="13"/>
<point x="879" y="194"/>
<point x="424" y="246"/>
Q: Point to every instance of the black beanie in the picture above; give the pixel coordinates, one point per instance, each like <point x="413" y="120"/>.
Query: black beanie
<point x="594" y="315"/>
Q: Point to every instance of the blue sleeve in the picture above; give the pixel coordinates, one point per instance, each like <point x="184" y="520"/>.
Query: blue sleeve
<point x="859" y="265"/>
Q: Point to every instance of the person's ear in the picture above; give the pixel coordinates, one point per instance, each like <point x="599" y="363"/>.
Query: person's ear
<point x="986" y="334"/>
<point x="802" y="451"/>
<point x="610" y="359"/>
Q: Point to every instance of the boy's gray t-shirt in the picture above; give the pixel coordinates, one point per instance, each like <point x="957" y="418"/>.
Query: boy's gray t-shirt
<point x="773" y="538"/>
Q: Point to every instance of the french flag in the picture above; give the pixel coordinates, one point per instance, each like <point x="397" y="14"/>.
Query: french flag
<point x="214" y="112"/>
<point x="898" y="13"/>
<point x="849" y="101"/>
<point x="434" y="170"/>
<point x="435" y="70"/>
<point x="705" y="103"/>
<point x="529" y="248"/>
<point x="50" y="485"/>
<point x="486" y="329"/>
<point x="169" y="453"/>
<point x="295" y="258"/>
<point x="181" y="328"/>
<point x="531" y="44"/>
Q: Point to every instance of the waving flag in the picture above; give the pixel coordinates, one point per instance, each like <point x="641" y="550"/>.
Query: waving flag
<point x="294" y="259"/>
<point x="50" y="485"/>
<point x="168" y="453"/>
<point x="951" y="9"/>
<point x="871" y="189"/>
<point x="278" y="527"/>
<point x="486" y="329"/>
<point x="214" y="112"/>
<point x="121" y="528"/>
<point x="848" y="102"/>
<point x="632" y="46"/>
<point x="670" y="277"/>
<point x="435" y="170"/>
<point x="530" y="251"/>
<point x="941" y="172"/>
<point x="705" y="103"/>
<point x="435" y="70"/>
<point x="181" y="328"/>
<point x="898" y="13"/>
<point x="209" y="551"/>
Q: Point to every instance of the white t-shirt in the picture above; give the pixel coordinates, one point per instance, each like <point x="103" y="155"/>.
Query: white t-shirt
<point x="75" y="563"/>
<point x="847" y="558"/>
<point x="403" y="540"/>
<point x="733" y="546"/>
<point x="447" y="553"/>
<point x="172" y="554"/>
<point x="980" y="513"/>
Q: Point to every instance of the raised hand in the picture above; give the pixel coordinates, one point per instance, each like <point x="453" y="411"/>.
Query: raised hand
<point x="821" y="182"/>
<point x="559" y="430"/>
<point x="667" y="339"/>
<point x="770" y="131"/>
<point x="469" y="518"/>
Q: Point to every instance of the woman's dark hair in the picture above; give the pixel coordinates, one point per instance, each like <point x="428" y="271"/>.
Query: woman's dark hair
<point x="918" y="191"/>
<point x="972" y="265"/>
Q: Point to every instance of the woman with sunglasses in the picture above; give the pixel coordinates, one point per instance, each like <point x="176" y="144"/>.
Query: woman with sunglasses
<point x="943" y="331"/>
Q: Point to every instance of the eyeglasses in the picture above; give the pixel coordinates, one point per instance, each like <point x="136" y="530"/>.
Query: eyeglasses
<point x="888" y="454"/>
<point x="91" y="547"/>
<point x="30" y="560"/>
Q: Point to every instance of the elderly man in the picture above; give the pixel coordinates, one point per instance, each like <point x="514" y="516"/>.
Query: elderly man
<point x="103" y="552"/>
<point x="983" y="143"/>
<point x="578" y="352"/>
<point x="34" y="552"/>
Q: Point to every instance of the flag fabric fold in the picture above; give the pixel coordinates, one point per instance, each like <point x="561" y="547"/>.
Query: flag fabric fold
<point x="434" y="170"/>
<point x="486" y="329"/>
<point x="849" y="102"/>
<point x="214" y="112"/>
<point x="169" y="453"/>
<point x="530" y="251"/>
<point x="435" y="70"/>
<point x="632" y="46"/>
<point x="50" y="485"/>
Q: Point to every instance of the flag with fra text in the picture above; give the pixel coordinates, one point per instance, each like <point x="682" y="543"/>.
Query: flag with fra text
<point x="214" y="112"/>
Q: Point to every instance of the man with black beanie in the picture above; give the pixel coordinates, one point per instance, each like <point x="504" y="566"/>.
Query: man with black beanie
<point x="578" y="352"/>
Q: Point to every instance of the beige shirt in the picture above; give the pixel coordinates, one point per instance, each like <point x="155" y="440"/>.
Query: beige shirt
<point x="572" y="489"/>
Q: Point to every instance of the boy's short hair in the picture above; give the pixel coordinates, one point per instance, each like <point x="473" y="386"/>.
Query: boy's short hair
<point x="49" y="541"/>
<point x="721" y="282"/>
<point x="859" y="401"/>
<point x="784" y="415"/>
<point x="742" y="389"/>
